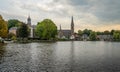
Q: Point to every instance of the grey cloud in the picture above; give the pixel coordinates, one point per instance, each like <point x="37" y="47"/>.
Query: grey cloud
<point x="103" y="10"/>
<point x="107" y="10"/>
<point x="79" y="2"/>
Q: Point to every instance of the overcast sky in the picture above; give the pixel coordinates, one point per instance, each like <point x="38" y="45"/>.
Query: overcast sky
<point x="97" y="15"/>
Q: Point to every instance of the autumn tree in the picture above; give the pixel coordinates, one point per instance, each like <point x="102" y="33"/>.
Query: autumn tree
<point x="3" y="28"/>
<point x="46" y="29"/>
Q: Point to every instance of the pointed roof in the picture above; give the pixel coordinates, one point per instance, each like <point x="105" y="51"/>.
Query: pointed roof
<point x="72" y="22"/>
<point x="60" y="27"/>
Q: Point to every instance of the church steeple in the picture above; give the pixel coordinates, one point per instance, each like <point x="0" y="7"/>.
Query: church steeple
<point x="29" y="21"/>
<point x="72" y="26"/>
<point x="60" y="28"/>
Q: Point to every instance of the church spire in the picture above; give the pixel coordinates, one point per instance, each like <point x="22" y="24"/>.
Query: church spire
<point x="29" y="21"/>
<point x="72" y="26"/>
<point x="60" y="28"/>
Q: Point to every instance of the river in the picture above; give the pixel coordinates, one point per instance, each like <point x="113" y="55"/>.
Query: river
<point x="64" y="56"/>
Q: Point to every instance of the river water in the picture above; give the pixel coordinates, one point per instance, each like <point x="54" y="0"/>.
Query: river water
<point x="69" y="56"/>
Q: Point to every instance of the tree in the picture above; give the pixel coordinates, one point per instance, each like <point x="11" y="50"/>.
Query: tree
<point x="3" y="28"/>
<point x="13" y="23"/>
<point x="93" y="36"/>
<point x="10" y="35"/>
<point x="116" y="35"/>
<point x="86" y="31"/>
<point x="80" y="32"/>
<point x="46" y="29"/>
<point x="23" y="31"/>
<point x="99" y="33"/>
<point x="112" y="31"/>
<point x="106" y="32"/>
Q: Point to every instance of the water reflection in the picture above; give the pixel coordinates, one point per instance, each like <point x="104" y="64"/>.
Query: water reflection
<point x="64" y="57"/>
<point x="2" y="51"/>
<point x="69" y="56"/>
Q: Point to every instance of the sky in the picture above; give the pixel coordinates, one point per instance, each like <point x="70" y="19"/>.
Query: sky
<point x="98" y="15"/>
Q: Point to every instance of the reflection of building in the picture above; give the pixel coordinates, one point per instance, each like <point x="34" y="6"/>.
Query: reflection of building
<point x="67" y="34"/>
<point x="13" y="30"/>
<point x="32" y="27"/>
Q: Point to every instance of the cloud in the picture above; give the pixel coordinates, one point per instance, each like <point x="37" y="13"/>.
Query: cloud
<point x="87" y="13"/>
<point x="106" y="10"/>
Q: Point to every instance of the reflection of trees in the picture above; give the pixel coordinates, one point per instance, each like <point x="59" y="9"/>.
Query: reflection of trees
<point x="2" y="50"/>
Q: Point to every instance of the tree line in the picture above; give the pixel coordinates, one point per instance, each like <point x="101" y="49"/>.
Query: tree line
<point x="46" y="30"/>
<point x="93" y="35"/>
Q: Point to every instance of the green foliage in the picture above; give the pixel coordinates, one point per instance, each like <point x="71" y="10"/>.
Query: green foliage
<point x="10" y="35"/>
<point x="93" y="36"/>
<point x="86" y="31"/>
<point x="99" y="33"/>
<point x="106" y="32"/>
<point x="116" y="35"/>
<point x="23" y="31"/>
<point x="3" y="28"/>
<point x="46" y="29"/>
<point x="13" y="23"/>
<point x="112" y="31"/>
<point x="80" y="32"/>
<point x="13" y="38"/>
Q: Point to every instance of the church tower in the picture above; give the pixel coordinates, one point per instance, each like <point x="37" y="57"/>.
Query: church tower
<point x="72" y="26"/>
<point x="60" y="32"/>
<point x="29" y="21"/>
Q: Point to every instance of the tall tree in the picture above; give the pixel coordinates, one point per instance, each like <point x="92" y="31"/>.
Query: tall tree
<point x="46" y="29"/>
<point x="3" y="28"/>
<point x="23" y="31"/>
<point x="13" y="23"/>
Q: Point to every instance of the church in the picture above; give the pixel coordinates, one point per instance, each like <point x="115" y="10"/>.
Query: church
<point x="32" y="27"/>
<point x="67" y="34"/>
<point x="62" y="34"/>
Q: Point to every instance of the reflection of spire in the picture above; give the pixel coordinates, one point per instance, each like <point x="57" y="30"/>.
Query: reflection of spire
<point x="72" y="62"/>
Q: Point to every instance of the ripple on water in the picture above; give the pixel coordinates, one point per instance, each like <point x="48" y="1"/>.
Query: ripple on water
<point x="75" y="56"/>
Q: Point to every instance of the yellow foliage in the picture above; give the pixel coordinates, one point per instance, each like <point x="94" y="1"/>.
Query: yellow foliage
<point x="3" y="28"/>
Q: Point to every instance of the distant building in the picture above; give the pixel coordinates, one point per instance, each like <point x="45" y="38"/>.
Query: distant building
<point x="67" y="34"/>
<point x="105" y="37"/>
<point x="85" y="37"/>
<point x="13" y="30"/>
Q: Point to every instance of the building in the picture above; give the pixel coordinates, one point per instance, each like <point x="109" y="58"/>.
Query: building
<point x="85" y="37"/>
<point x="67" y="34"/>
<point x="32" y="27"/>
<point x="13" y="30"/>
<point x="105" y="37"/>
